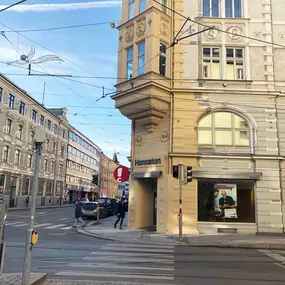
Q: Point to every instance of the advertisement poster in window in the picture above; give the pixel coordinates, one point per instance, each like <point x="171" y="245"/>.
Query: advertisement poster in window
<point x="225" y="201"/>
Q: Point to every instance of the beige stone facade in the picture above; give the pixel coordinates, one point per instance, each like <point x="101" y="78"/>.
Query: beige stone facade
<point x="108" y="184"/>
<point x="215" y="102"/>
<point x="20" y="114"/>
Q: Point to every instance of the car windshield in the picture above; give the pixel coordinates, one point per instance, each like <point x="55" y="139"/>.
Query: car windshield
<point x="90" y="206"/>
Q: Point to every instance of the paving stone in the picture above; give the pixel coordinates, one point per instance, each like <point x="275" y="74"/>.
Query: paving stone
<point x="16" y="278"/>
<point x="87" y="282"/>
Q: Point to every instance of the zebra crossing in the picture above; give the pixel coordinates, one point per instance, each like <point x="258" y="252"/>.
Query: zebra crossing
<point x="47" y="226"/>
<point x="124" y="262"/>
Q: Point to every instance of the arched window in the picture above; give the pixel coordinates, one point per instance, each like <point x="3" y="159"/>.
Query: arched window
<point x="223" y="129"/>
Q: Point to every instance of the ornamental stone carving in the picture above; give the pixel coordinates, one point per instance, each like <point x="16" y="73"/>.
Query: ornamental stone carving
<point x="164" y="136"/>
<point x="140" y="28"/>
<point x="164" y="30"/>
<point x="129" y="36"/>
<point x="138" y="140"/>
<point x="212" y="34"/>
<point x="234" y="33"/>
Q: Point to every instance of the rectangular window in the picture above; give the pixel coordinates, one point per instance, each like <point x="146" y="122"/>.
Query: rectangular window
<point x="131" y="9"/>
<point x="49" y="125"/>
<point x="211" y="8"/>
<point x="11" y="101"/>
<point x="53" y="147"/>
<point x="235" y="64"/>
<point x="34" y="115"/>
<point x="142" y="6"/>
<point x="164" y="6"/>
<point x="19" y="133"/>
<point x="5" y="153"/>
<point x="130" y="55"/>
<point x="1" y="93"/>
<point x="70" y="135"/>
<point x="8" y="126"/>
<point x="233" y="8"/>
<point x="22" y="108"/>
<point x="17" y="157"/>
<point x="30" y="160"/>
<point x="55" y="129"/>
<point x="45" y="165"/>
<point x="52" y="167"/>
<point x="69" y="149"/>
<point x="42" y="120"/>
<point x="211" y="63"/>
<point x="141" y="58"/>
<point x="162" y="59"/>
<point x="63" y="134"/>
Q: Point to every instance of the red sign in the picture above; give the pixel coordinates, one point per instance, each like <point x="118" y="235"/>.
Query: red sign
<point x="121" y="173"/>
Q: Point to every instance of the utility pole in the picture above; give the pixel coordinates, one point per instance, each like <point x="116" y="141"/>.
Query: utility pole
<point x="180" y="177"/>
<point x="3" y="214"/>
<point x="39" y="140"/>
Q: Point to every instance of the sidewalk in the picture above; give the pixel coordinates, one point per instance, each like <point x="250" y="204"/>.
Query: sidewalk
<point x="16" y="278"/>
<point x="42" y="207"/>
<point x="105" y="230"/>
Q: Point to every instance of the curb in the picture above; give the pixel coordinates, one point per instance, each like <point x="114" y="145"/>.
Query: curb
<point x="242" y="246"/>
<point x="40" y="280"/>
<point x="40" y="207"/>
<point x="87" y="233"/>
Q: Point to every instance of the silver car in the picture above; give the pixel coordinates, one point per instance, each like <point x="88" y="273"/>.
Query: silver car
<point x="90" y="209"/>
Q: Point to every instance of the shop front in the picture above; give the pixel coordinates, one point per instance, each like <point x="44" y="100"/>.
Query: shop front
<point x="227" y="205"/>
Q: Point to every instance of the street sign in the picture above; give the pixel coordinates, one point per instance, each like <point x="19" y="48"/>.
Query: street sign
<point x="121" y="173"/>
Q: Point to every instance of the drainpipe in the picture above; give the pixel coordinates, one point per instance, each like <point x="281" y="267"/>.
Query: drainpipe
<point x="279" y="162"/>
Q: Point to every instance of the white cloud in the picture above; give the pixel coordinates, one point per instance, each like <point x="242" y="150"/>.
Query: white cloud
<point x="63" y="7"/>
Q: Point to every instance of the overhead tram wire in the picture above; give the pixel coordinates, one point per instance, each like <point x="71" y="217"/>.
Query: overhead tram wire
<point x="61" y="28"/>
<point x="66" y="59"/>
<point x="217" y="29"/>
<point x="12" y="5"/>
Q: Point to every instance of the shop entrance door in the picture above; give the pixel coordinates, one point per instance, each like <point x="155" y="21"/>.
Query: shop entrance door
<point x="13" y="188"/>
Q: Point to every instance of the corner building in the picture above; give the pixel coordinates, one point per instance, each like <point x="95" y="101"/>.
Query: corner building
<point x="214" y="101"/>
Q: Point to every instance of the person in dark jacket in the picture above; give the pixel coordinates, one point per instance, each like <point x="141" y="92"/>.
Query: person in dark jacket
<point x="78" y="215"/>
<point x="122" y="207"/>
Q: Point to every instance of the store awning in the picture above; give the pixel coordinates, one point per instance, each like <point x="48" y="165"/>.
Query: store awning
<point x="151" y="174"/>
<point x="234" y="175"/>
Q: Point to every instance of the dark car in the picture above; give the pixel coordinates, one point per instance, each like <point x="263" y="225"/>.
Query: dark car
<point x="110" y="204"/>
<point x="90" y="209"/>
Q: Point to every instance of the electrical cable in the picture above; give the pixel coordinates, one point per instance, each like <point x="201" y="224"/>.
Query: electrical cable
<point x="12" y="5"/>
<point x="60" y="28"/>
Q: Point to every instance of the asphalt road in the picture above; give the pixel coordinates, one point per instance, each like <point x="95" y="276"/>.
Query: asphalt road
<point x="66" y="255"/>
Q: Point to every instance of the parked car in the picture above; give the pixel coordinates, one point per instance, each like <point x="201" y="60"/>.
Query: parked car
<point x="90" y="209"/>
<point x="110" y="204"/>
<point x="82" y="201"/>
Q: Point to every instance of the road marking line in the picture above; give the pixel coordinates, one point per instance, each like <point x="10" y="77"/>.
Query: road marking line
<point x="67" y="228"/>
<point x="273" y="255"/>
<point x="55" y="226"/>
<point x="126" y="249"/>
<point x="98" y="265"/>
<point x="42" y="225"/>
<point x="12" y="223"/>
<point x="141" y="245"/>
<point x="113" y="275"/>
<point x="128" y="259"/>
<point x="21" y="225"/>
<point x="132" y="254"/>
<point x="281" y="265"/>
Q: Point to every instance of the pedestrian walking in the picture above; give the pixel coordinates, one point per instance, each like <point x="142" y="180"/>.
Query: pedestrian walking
<point x="27" y="201"/>
<point x="122" y="207"/>
<point x="78" y="215"/>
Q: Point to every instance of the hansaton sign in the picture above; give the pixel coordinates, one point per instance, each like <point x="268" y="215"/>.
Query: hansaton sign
<point x="121" y="174"/>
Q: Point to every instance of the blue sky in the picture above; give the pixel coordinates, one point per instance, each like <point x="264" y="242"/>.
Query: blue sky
<point x="93" y="48"/>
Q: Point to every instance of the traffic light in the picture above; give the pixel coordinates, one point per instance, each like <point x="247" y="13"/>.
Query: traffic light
<point x="175" y="171"/>
<point x="187" y="174"/>
<point x="95" y="179"/>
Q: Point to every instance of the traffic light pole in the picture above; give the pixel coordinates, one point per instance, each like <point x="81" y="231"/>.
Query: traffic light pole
<point x="28" y="250"/>
<point x="180" y="173"/>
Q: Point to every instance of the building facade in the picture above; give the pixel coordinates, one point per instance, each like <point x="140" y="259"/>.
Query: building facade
<point x="108" y="184"/>
<point x="213" y="101"/>
<point x="123" y="189"/>
<point x="83" y="161"/>
<point x="20" y="114"/>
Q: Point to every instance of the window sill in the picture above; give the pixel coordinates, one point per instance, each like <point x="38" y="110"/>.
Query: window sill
<point x="232" y="81"/>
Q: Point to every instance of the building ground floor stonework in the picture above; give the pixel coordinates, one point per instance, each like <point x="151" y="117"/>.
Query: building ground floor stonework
<point x="16" y="188"/>
<point x="248" y="187"/>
